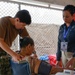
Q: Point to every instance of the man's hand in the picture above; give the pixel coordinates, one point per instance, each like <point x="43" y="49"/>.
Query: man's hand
<point x="17" y="57"/>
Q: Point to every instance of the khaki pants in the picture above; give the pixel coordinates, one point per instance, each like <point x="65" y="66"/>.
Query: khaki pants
<point x="66" y="56"/>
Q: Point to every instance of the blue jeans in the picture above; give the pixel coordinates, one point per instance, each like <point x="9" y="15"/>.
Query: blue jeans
<point x="20" y="68"/>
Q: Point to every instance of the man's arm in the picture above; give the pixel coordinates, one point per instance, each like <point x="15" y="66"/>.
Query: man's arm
<point x="71" y="62"/>
<point x="7" y="49"/>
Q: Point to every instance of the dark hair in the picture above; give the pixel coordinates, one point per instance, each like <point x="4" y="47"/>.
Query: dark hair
<point x="24" y="16"/>
<point x="70" y="8"/>
<point x="26" y="41"/>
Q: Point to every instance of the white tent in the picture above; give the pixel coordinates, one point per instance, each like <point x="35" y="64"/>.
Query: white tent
<point x="56" y="2"/>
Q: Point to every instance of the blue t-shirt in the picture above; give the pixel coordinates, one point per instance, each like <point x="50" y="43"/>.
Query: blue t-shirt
<point x="20" y="68"/>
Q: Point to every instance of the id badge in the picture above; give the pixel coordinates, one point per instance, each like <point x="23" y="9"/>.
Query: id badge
<point x="64" y="46"/>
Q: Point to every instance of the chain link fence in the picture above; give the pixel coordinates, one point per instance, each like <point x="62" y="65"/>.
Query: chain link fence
<point x="45" y="38"/>
<point x="44" y="15"/>
<point x="44" y="27"/>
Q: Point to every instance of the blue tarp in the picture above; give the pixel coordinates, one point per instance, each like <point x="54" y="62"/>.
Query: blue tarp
<point x="44" y="57"/>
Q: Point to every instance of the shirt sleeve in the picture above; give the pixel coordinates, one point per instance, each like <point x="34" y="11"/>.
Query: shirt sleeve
<point x="23" y="32"/>
<point x="3" y="28"/>
<point x="58" y="54"/>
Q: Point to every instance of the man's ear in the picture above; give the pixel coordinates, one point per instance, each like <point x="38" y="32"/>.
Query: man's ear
<point x="17" y="19"/>
<point x="29" y="46"/>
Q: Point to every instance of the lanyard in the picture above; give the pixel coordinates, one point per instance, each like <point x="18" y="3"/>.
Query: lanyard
<point x="66" y="31"/>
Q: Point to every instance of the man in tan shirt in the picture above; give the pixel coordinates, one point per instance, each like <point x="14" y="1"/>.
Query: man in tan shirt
<point x="9" y="29"/>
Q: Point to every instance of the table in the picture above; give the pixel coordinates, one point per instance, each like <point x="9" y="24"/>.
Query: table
<point x="66" y="72"/>
<point x="62" y="73"/>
